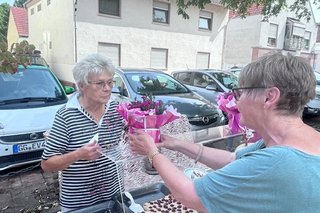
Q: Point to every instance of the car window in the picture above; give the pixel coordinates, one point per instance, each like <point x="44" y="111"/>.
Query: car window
<point x="119" y="85"/>
<point x="228" y="80"/>
<point x="203" y="80"/>
<point x="155" y="83"/>
<point x="184" y="77"/>
<point x="38" y="60"/>
<point x="30" y="83"/>
<point x="317" y="77"/>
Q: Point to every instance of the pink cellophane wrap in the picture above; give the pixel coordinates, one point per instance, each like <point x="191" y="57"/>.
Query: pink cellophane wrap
<point x="147" y="120"/>
<point x="226" y="103"/>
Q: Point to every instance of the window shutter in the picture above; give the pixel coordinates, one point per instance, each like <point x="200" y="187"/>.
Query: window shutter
<point x="273" y="30"/>
<point x="160" y="5"/>
<point x="202" y="60"/>
<point x="298" y="31"/>
<point x="111" y="51"/>
<point x="205" y="14"/>
<point x="307" y="35"/>
<point x="159" y="58"/>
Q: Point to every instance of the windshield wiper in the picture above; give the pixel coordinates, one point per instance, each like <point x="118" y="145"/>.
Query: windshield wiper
<point x="29" y="99"/>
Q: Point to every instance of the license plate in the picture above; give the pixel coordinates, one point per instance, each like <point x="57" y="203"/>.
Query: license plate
<point x="27" y="147"/>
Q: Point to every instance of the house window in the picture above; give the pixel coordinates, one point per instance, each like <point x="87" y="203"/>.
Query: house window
<point x="48" y="2"/>
<point x="39" y="7"/>
<point x="273" y="34"/>
<point x="111" y="51"/>
<point x="159" y="58"/>
<point x="306" y="42"/>
<point x="205" y="20"/>
<point x="32" y="11"/>
<point x="294" y="34"/>
<point x="298" y="35"/>
<point x="109" y="7"/>
<point x="203" y="60"/>
<point x="160" y="12"/>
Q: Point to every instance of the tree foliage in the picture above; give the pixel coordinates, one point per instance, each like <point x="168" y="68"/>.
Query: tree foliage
<point x="270" y="7"/>
<point x="4" y="19"/>
<point x="19" y="3"/>
<point x="20" y="53"/>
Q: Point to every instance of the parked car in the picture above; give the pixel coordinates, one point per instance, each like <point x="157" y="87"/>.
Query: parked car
<point x="235" y="70"/>
<point x="37" y="59"/>
<point x="313" y="107"/>
<point x="29" y="100"/>
<point x="135" y="83"/>
<point x="209" y="83"/>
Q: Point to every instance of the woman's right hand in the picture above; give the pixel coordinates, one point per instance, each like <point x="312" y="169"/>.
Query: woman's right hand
<point x="90" y="151"/>
<point x="169" y="142"/>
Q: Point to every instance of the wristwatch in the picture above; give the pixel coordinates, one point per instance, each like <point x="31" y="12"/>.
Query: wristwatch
<point x="152" y="155"/>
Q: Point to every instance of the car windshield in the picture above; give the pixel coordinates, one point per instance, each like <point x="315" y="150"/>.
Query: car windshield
<point x="31" y="84"/>
<point x="228" y="80"/>
<point x="155" y="83"/>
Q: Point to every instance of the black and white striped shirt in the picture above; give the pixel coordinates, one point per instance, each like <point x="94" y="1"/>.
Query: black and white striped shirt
<point x="84" y="182"/>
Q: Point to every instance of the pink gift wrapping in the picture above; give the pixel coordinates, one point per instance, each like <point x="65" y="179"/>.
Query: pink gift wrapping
<point x="148" y="120"/>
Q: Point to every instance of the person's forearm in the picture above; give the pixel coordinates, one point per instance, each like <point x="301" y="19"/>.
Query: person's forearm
<point x="181" y="187"/>
<point x="213" y="158"/>
<point x="59" y="162"/>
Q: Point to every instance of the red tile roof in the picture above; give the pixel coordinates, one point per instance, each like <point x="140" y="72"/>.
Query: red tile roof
<point x="20" y="16"/>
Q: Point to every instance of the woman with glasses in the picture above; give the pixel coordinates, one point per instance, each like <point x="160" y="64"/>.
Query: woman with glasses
<point x="87" y="177"/>
<point x="280" y="173"/>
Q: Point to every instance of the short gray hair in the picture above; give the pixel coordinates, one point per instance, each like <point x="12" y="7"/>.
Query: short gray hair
<point x="292" y="75"/>
<point x="91" y="64"/>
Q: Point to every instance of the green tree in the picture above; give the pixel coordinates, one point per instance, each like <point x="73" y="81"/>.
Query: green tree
<point x="270" y="8"/>
<point x="19" y="3"/>
<point x="4" y="19"/>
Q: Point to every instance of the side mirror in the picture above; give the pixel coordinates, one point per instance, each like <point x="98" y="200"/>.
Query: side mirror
<point x="211" y="87"/>
<point x="68" y="89"/>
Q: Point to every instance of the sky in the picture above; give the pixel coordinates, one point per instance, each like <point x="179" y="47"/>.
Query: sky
<point x="7" y="1"/>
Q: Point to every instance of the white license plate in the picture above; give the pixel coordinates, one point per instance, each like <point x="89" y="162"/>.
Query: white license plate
<point x="27" y="147"/>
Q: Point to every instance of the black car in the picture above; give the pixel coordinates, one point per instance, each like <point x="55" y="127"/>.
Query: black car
<point x="135" y="83"/>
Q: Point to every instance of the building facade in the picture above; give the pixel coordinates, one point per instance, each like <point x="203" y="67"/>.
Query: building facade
<point x="133" y="33"/>
<point x="17" y="26"/>
<point x="249" y="38"/>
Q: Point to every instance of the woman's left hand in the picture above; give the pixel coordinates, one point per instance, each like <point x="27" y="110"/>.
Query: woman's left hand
<point x="141" y="142"/>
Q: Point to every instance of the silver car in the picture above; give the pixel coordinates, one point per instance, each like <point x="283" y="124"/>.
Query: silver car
<point x="208" y="83"/>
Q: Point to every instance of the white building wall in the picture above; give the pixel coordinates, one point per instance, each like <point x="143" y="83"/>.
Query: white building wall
<point x="133" y="30"/>
<point x="51" y="30"/>
<point x="244" y="34"/>
<point x="241" y="35"/>
<point x="136" y="34"/>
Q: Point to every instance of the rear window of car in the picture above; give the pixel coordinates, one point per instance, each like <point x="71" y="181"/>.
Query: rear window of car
<point x="228" y="80"/>
<point x="155" y="83"/>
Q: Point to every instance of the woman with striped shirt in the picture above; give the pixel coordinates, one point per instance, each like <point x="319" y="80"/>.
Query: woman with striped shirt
<point x="87" y="177"/>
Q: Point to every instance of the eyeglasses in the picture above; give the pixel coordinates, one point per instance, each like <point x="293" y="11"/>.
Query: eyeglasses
<point x="238" y="91"/>
<point x="102" y="84"/>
